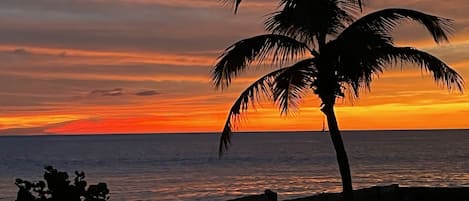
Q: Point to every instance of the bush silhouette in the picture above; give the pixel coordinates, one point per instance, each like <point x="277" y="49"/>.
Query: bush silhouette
<point x="58" y="187"/>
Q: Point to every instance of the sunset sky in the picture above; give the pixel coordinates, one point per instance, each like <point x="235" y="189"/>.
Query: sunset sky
<point x="142" y="66"/>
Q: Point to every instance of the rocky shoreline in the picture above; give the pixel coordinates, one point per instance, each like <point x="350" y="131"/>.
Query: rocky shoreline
<point x="380" y="193"/>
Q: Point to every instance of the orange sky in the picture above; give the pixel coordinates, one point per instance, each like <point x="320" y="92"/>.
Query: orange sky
<point x="102" y="66"/>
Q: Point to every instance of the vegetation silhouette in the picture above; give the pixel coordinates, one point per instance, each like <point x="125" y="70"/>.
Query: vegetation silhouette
<point x="336" y="54"/>
<point x="236" y="3"/>
<point x="57" y="187"/>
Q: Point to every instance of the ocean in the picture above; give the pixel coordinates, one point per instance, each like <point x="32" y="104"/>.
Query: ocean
<point x="185" y="167"/>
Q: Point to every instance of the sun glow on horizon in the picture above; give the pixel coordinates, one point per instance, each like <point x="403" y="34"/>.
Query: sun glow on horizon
<point x="108" y="67"/>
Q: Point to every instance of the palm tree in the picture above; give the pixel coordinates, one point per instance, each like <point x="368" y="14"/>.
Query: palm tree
<point x="327" y="52"/>
<point x="236" y="3"/>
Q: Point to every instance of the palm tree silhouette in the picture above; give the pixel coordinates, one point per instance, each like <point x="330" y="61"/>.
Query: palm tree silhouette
<point x="334" y="53"/>
<point x="236" y="3"/>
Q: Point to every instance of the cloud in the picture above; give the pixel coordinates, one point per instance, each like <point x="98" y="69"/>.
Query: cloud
<point x="125" y="24"/>
<point x="34" y="130"/>
<point x="22" y="131"/>
<point x="120" y="92"/>
<point x="21" y="51"/>
<point x="147" y="93"/>
<point x="63" y="54"/>
<point x="108" y="92"/>
<point x="104" y="57"/>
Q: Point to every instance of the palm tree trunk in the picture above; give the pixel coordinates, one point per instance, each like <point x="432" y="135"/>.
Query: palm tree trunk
<point x="342" y="159"/>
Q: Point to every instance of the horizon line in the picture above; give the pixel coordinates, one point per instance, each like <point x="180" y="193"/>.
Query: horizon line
<point x="240" y="132"/>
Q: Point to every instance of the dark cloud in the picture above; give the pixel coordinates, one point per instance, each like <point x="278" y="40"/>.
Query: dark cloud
<point x="21" y="51"/>
<point x="108" y="92"/>
<point x="63" y="54"/>
<point x="37" y="130"/>
<point x="147" y="93"/>
<point x="23" y="131"/>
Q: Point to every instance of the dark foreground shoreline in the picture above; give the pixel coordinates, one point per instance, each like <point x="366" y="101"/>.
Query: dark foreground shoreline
<point x="380" y="193"/>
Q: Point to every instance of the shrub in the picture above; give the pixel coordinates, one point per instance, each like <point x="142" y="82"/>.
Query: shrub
<point x="58" y="187"/>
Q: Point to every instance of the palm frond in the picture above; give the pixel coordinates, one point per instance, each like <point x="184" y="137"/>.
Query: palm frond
<point x="345" y="3"/>
<point x="296" y="76"/>
<point x="387" y="19"/>
<point x="236" y="3"/>
<point x="250" y="95"/>
<point x="289" y="86"/>
<point x="442" y="72"/>
<point x="306" y="19"/>
<point x="353" y="58"/>
<point x="359" y="3"/>
<point x="238" y="56"/>
<point x="357" y="71"/>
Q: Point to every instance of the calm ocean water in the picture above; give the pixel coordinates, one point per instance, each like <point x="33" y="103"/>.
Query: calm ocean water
<point x="186" y="166"/>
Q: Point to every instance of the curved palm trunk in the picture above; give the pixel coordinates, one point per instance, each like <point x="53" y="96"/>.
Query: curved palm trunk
<point x="342" y="159"/>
